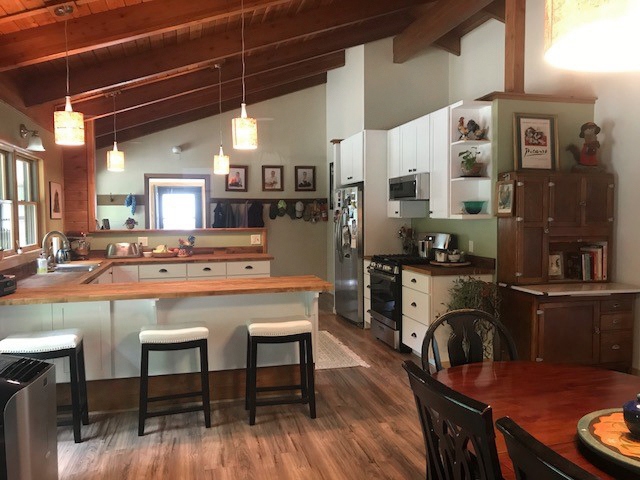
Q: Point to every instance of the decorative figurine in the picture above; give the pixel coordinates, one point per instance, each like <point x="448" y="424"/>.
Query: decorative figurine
<point x="462" y="129"/>
<point x="588" y="155"/>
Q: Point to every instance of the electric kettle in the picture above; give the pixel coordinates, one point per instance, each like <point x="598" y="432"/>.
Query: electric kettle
<point x="425" y="246"/>
<point x="63" y="255"/>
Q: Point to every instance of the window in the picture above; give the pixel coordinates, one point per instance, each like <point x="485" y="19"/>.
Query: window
<point x="177" y="202"/>
<point x="19" y="200"/>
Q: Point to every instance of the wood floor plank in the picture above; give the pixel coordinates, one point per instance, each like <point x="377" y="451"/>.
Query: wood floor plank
<point x="366" y="428"/>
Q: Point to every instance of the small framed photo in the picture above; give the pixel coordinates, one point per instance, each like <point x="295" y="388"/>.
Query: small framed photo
<point x="236" y="179"/>
<point x="305" y="179"/>
<point x="272" y="178"/>
<point x="504" y="198"/>
<point x="556" y="267"/>
<point x="535" y="141"/>
<point x="55" y="200"/>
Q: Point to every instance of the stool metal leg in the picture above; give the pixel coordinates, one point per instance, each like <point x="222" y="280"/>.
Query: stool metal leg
<point x="144" y="389"/>
<point x="310" y="377"/>
<point x="83" y="385"/>
<point x="304" y="391"/>
<point x="247" y="378"/>
<point x="76" y="404"/>
<point x="253" y="372"/>
<point x="204" y="380"/>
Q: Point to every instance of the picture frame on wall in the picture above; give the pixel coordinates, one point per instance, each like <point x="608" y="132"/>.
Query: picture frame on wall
<point x="305" y="178"/>
<point x="535" y="141"/>
<point x="236" y="179"/>
<point x="272" y="178"/>
<point x="55" y="201"/>
<point x="504" y="198"/>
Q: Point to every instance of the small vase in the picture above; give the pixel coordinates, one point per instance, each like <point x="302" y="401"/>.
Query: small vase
<point x="474" y="171"/>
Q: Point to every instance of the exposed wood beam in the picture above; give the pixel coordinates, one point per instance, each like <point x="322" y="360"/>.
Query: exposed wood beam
<point x="436" y="22"/>
<point x="208" y="111"/>
<point x="450" y="42"/>
<point x="27" y="47"/>
<point x="496" y="10"/>
<point x="514" y="45"/>
<point x="204" y="51"/>
<point x="207" y="80"/>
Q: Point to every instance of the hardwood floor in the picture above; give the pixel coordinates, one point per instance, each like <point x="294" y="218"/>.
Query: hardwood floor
<point x="367" y="428"/>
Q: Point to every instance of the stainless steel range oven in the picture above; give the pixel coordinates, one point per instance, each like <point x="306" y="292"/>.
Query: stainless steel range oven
<point x="386" y="297"/>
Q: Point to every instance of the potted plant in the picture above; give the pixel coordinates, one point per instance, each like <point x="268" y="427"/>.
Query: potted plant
<point x="471" y="292"/>
<point x="470" y="166"/>
<point x="130" y="223"/>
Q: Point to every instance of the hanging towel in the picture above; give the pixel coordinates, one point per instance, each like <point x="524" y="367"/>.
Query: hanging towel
<point x="130" y="201"/>
<point x="254" y="215"/>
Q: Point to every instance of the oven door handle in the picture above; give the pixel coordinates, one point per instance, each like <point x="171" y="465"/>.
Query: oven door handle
<point x="377" y="273"/>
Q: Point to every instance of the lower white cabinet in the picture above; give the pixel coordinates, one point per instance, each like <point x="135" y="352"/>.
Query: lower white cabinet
<point x="124" y="273"/>
<point x="204" y="270"/>
<point x="104" y="278"/>
<point x="162" y="272"/>
<point x="407" y="209"/>
<point x="259" y="268"/>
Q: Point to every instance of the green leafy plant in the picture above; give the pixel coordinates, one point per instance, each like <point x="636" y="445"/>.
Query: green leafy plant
<point x="468" y="158"/>
<point x="471" y="292"/>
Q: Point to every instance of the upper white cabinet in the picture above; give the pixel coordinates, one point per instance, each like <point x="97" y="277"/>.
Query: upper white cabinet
<point x="352" y="159"/>
<point x="439" y="164"/>
<point x="408" y="148"/>
<point x="393" y="153"/>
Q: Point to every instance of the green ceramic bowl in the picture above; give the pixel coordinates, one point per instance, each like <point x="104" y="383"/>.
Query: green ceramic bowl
<point x="473" y="207"/>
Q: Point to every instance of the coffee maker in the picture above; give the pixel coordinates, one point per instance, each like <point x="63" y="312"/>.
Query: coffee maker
<point x="430" y="243"/>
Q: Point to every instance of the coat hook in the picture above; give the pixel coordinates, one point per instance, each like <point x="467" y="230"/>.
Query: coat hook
<point x="111" y="197"/>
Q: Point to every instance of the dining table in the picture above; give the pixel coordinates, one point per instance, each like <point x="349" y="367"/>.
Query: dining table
<point x="548" y="400"/>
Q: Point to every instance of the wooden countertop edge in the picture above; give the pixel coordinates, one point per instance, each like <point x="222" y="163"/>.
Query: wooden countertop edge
<point x="577" y="289"/>
<point x="435" y="270"/>
<point x="137" y="291"/>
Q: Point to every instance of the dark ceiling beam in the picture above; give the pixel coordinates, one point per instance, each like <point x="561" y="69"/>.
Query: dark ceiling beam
<point x="126" y="24"/>
<point x="439" y="20"/>
<point x="204" y="51"/>
<point x="496" y="10"/>
<point x="207" y="79"/>
<point x="514" y="30"/>
<point x="208" y="111"/>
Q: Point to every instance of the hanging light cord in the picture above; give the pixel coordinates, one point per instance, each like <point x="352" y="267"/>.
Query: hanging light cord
<point x="114" y="116"/>
<point x="66" y="53"/>
<point x="220" y="100"/>
<point x="242" y="33"/>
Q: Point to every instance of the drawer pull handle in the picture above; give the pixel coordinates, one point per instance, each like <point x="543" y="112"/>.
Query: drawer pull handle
<point x="616" y="305"/>
<point x="414" y="335"/>
<point x="413" y="280"/>
<point x="369" y="286"/>
<point x="163" y="270"/>
<point x="413" y="304"/>
<point x="248" y="267"/>
<point x="616" y="321"/>
<point x="615" y="347"/>
<point x="206" y="269"/>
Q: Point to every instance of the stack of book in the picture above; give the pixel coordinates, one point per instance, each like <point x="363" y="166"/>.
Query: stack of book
<point x="587" y="264"/>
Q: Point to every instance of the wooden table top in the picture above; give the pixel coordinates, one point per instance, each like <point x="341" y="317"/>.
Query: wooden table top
<point x="547" y="400"/>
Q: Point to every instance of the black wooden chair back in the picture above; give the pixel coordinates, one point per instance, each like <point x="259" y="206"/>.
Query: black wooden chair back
<point x="458" y="430"/>
<point x="532" y="459"/>
<point x="471" y="336"/>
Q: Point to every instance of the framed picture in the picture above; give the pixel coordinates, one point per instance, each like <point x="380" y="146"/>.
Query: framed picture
<point x="305" y="179"/>
<point x="504" y="198"/>
<point x="535" y="141"/>
<point x="272" y="178"/>
<point x="55" y="200"/>
<point x="556" y="269"/>
<point x="236" y="179"/>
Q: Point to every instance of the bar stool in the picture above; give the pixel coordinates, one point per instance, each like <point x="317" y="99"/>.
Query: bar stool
<point x="57" y="344"/>
<point x="173" y="337"/>
<point x="280" y="332"/>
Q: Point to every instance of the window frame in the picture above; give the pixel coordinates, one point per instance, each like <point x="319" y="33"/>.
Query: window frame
<point x="175" y="180"/>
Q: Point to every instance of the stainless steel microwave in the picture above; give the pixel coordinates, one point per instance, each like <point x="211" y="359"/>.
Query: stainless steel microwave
<point x="409" y="187"/>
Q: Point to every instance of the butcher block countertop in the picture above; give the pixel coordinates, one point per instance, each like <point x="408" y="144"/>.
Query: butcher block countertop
<point x="67" y="293"/>
<point x="437" y="270"/>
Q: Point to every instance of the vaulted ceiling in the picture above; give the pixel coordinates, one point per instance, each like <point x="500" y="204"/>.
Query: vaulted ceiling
<point x="159" y="56"/>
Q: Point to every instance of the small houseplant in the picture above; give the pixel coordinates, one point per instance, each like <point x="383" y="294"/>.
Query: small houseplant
<point x="470" y="166"/>
<point x="130" y="223"/>
<point x="471" y="292"/>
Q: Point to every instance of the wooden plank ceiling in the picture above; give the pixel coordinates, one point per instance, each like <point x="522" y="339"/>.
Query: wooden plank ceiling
<point x="159" y="56"/>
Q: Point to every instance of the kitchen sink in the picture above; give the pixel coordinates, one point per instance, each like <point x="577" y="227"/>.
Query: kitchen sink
<point x="76" y="267"/>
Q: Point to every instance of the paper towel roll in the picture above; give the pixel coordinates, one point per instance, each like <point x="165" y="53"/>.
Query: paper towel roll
<point x="55" y="246"/>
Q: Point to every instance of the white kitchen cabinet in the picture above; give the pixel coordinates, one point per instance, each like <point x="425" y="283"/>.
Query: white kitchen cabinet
<point x="204" y="270"/>
<point x="104" y="278"/>
<point x="258" y="268"/>
<point x="393" y="153"/>
<point x="439" y="164"/>
<point x="415" y="146"/>
<point x="162" y="272"/>
<point x="352" y="159"/>
<point x="124" y="273"/>
<point x="407" y="209"/>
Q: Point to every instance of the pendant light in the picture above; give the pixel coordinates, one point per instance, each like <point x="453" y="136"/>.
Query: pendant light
<point x="244" y="129"/>
<point x="592" y="35"/>
<point x="68" y="125"/>
<point x="115" y="158"/>
<point x="220" y="161"/>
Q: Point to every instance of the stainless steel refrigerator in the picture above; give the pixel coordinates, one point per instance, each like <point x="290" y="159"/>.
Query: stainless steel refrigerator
<point x="348" y="238"/>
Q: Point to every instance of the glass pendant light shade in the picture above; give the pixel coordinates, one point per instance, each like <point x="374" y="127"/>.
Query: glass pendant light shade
<point x="592" y="35"/>
<point x="35" y="143"/>
<point x="115" y="159"/>
<point x="221" y="163"/>
<point x="244" y="130"/>
<point x="68" y="126"/>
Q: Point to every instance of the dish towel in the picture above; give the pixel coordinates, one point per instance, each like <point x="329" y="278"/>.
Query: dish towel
<point x="130" y="201"/>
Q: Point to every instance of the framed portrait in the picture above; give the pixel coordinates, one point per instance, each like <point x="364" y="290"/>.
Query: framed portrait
<point x="272" y="178"/>
<point x="504" y="198"/>
<point x="305" y="179"/>
<point x="55" y="200"/>
<point x="236" y="180"/>
<point x="556" y="267"/>
<point x="535" y="141"/>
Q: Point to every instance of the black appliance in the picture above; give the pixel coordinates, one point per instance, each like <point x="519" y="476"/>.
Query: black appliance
<point x="385" y="272"/>
<point x="28" y="430"/>
<point x="8" y="284"/>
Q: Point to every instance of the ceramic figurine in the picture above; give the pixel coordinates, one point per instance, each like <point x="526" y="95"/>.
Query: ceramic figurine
<point x="588" y="155"/>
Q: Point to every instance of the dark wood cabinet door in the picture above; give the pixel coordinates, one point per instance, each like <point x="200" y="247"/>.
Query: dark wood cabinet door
<point x="565" y="205"/>
<point x="597" y="196"/>
<point x="568" y="332"/>
<point x="531" y="229"/>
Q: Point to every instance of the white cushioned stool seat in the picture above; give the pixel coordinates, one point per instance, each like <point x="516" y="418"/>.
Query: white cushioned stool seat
<point x="39" y="342"/>
<point x="279" y="329"/>
<point x="173" y="333"/>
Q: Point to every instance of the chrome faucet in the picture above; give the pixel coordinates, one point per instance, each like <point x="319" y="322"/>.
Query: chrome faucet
<point x="46" y="247"/>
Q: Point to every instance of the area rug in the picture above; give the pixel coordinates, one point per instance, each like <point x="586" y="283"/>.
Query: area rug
<point x="332" y="353"/>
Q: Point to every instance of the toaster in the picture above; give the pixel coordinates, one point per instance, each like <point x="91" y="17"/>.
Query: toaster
<point x="8" y="284"/>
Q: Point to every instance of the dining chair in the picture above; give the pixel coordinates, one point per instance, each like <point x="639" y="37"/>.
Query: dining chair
<point x="458" y="430"/>
<point x="533" y="459"/>
<point x="470" y="336"/>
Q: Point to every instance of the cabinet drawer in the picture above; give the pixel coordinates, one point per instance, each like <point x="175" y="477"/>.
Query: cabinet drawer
<point x="625" y="305"/>
<point x="413" y="333"/>
<point x="207" y="269"/>
<point x="163" y="270"/>
<point x="417" y="281"/>
<point x="248" y="268"/>
<point x="616" y="321"/>
<point x="416" y="305"/>
<point x="616" y="346"/>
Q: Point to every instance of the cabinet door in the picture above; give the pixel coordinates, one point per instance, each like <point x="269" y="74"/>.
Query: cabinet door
<point x="346" y="161"/>
<point x="567" y="332"/>
<point x="439" y="164"/>
<point x="125" y="273"/>
<point x="423" y="144"/>
<point x="357" y="157"/>
<point x="565" y="206"/>
<point x="532" y="252"/>
<point x="598" y="200"/>
<point x="408" y="145"/>
<point x="393" y="153"/>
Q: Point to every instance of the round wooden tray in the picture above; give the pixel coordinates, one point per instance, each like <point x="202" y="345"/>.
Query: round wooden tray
<point x="164" y="255"/>
<point x="450" y="264"/>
